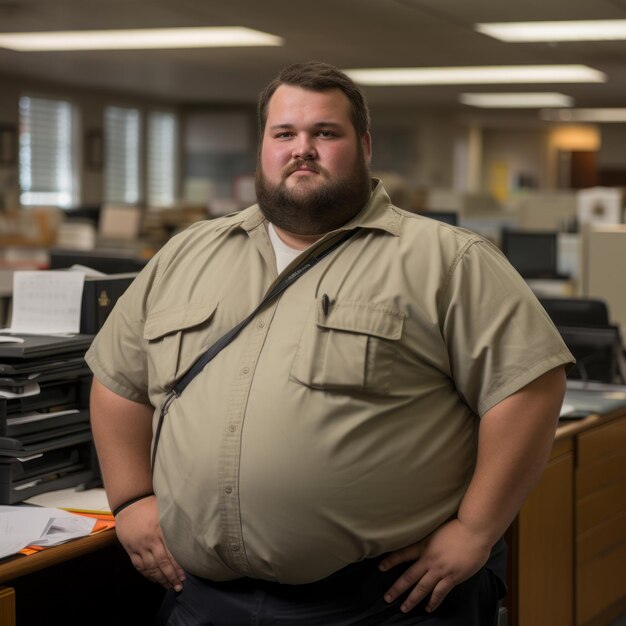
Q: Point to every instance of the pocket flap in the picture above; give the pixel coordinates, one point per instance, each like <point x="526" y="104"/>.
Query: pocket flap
<point x="356" y="317"/>
<point x="165" y="322"/>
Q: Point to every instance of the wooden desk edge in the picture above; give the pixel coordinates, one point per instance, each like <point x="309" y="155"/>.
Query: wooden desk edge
<point x="18" y="566"/>
<point x="569" y="429"/>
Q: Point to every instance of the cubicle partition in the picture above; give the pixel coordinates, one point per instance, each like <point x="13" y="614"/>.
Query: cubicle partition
<point x="604" y="254"/>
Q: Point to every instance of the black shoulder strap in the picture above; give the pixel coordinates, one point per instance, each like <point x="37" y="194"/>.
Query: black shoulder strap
<point x="225" y="339"/>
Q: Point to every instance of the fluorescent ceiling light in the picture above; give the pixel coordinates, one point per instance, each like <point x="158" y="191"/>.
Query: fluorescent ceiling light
<point x="136" y="39"/>
<point x="516" y="100"/>
<point x="477" y="75"/>
<point x="569" y="30"/>
<point x="584" y="115"/>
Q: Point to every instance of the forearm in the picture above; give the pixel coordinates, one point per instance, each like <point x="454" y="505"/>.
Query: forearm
<point x="122" y="432"/>
<point x="515" y="439"/>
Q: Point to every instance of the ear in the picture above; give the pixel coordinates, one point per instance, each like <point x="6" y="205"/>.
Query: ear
<point x="366" y="143"/>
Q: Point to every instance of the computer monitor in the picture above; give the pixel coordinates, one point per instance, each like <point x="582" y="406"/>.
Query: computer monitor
<point x="448" y="217"/>
<point x="108" y="262"/>
<point x="532" y="254"/>
<point x="88" y="213"/>
<point x="598" y="352"/>
<point x="576" y="311"/>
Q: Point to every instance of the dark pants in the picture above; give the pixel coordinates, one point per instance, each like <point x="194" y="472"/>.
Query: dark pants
<point x="352" y="596"/>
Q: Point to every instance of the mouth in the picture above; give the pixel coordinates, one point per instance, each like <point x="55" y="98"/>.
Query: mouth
<point x="301" y="169"/>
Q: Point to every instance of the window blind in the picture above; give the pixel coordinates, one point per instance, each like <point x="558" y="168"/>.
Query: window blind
<point x="162" y="158"/>
<point x="47" y="154"/>
<point x="122" y="141"/>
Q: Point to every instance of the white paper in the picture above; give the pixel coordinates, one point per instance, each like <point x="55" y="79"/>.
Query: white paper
<point x="47" y="302"/>
<point x="93" y="500"/>
<point x="22" y="526"/>
<point x="37" y="416"/>
<point x="30" y="389"/>
<point x="18" y="525"/>
<point x="64" y="526"/>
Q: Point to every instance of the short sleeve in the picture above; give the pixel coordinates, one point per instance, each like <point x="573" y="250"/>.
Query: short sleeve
<point x="499" y="337"/>
<point x="117" y="356"/>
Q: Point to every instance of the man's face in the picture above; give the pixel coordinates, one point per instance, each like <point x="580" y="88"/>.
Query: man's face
<point x="312" y="174"/>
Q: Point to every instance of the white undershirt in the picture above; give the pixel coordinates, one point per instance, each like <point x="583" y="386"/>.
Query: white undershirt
<point x="284" y="254"/>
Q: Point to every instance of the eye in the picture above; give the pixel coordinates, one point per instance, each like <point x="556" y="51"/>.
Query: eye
<point x="326" y="134"/>
<point x="285" y="134"/>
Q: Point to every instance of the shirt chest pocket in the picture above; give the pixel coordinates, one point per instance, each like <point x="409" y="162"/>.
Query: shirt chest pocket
<point x="174" y="341"/>
<point x="352" y="346"/>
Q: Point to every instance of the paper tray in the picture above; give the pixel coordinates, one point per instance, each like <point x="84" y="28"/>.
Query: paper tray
<point x="11" y="494"/>
<point x="55" y="469"/>
<point x="57" y="396"/>
<point x="28" y="366"/>
<point x="38" y="443"/>
<point x="36" y="346"/>
<point x="44" y="425"/>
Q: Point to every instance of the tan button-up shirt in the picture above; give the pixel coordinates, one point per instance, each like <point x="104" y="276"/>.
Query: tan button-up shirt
<point x="333" y="428"/>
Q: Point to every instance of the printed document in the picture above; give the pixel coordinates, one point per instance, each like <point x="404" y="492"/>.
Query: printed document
<point x="22" y="526"/>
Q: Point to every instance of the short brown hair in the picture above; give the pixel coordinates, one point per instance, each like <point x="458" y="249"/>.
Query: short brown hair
<point x="318" y="76"/>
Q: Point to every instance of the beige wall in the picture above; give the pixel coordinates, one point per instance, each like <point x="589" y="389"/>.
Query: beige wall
<point x="422" y="148"/>
<point x="612" y="153"/>
<point x="511" y="153"/>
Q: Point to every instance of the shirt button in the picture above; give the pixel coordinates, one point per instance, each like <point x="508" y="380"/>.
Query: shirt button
<point x="228" y="489"/>
<point x="234" y="547"/>
<point x="232" y="428"/>
<point x="261" y="324"/>
<point x="245" y="370"/>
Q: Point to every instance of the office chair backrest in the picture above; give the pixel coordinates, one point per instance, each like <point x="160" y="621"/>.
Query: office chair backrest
<point x="598" y="353"/>
<point x="588" y="312"/>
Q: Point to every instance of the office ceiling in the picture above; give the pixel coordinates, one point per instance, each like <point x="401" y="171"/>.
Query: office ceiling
<point x="347" y="33"/>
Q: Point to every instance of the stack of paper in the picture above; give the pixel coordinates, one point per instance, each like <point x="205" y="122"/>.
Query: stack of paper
<point x="22" y="526"/>
<point x="92" y="501"/>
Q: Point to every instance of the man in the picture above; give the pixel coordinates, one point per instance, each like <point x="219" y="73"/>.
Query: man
<point x="356" y="452"/>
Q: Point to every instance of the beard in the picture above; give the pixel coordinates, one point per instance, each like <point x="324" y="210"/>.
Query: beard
<point x="318" y="209"/>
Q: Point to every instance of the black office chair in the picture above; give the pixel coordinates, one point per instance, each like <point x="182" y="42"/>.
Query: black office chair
<point x="589" y="312"/>
<point x="598" y="352"/>
<point x="585" y="326"/>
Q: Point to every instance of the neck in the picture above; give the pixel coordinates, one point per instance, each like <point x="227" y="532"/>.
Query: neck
<point x="293" y="240"/>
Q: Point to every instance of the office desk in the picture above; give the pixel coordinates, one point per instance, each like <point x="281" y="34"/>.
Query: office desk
<point x="568" y="544"/>
<point x="567" y="564"/>
<point x="86" y="581"/>
<point x="19" y="566"/>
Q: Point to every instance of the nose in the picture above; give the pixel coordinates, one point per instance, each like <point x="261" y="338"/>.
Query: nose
<point x="304" y="148"/>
